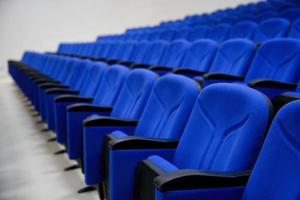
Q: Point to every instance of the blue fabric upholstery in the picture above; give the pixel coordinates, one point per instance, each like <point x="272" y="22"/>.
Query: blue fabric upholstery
<point x="271" y="28"/>
<point x="244" y="29"/>
<point x="129" y="102"/>
<point x="276" y="169"/>
<point x="164" y="117"/>
<point x="233" y="57"/>
<point x="199" y="55"/>
<point x="277" y="59"/>
<point x="219" y="33"/>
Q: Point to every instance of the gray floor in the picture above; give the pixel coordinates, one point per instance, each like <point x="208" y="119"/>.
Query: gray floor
<point x="28" y="168"/>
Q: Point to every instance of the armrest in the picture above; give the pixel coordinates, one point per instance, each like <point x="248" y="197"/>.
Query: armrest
<point x="132" y="142"/>
<point x="108" y="121"/>
<point x="52" y="84"/>
<point x="161" y="68"/>
<point x="61" y="90"/>
<point x="82" y="107"/>
<point x="223" y="76"/>
<point x="73" y="98"/>
<point x="187" y="71"/>
<point x="44" y="80"/>
<point x="196" y="179"/>
<point x="272" y="84"/>
<point x="140" y="65"/>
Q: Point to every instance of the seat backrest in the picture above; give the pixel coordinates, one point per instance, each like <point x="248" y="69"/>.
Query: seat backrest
<point x="174" y="53"/>
<point x="245" y="29"/>
<point x="182" y="33"/>
<point x="275" y="174"/>
<point x="219" y="33"/>
<point x="167" y="35"/>
<point x="126" y="51"/>
<point x="93" y="78"/>
<point x="198" y="32"/>
<point x="199" y="55"/>
<point x="113" y="50"/>
<point x="139" y="51"/>
<point x="155" y="52"/>
<point x="291" y="14"/>
<point x="233" y="57"/>
<point x="110" y="85"/>
<point x="295" y="30"/>
<point x="225" y="130"/>
<point x="278" y="60"/>
<point x="134" y="94"/>
<point x="168" y="107"/>
<point x="271" y="28"/>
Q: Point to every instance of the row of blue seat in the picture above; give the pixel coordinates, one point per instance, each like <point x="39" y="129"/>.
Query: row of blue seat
<point x="145" y="114"/>
<point x="269" y="28"/>
<point x="174" y="119"/>
<point x="255" y="12"/>
<point x="251" y="12"/>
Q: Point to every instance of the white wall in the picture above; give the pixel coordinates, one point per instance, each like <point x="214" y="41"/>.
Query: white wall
<point x="42" y="24"/>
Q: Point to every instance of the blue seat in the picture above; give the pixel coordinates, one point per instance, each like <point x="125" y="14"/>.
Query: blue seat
<point x="155" y="52"/>
<point x="273" y="176"/>
<point x="171" y="57"/>
<point x="271" y="28"/>
<point x="219" y="32"/>
<point x="197" y="58"/>
<point x="232" y="59"/>
<point x="223" y="134"/>
<point x="182" y="33"/>
<point x="275" y="67"/>
<point x="76" y="85"/>
<point x="105" y="95"/>
<point x="129" y="104"/>
<point x="163" y="118"/>
<point x="244" y="29"/>
<point x="274" y="173"/>
<point x="198" y="32"/>
<point x="167" y="35"/>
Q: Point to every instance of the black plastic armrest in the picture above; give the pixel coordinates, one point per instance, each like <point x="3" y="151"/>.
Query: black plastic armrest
<point x="52" y="84"/>
<point x="73" y="98"/>
<point x="44" y="80"/>
<point x="161" y="68"/>
<point x="196" y="179"/>
<point x="187" y="71"/>
<point x="222" y="76"/>
<point x="140" y="65"/>
<point x="84" y="107"/>
<point x="61" y="90"/>
<point x="272" y="84"/>
<point x="108" y="121"/>
<point x="132" y="142"/>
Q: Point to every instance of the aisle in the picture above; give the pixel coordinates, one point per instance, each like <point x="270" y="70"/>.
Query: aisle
<point x="28" y="168"/>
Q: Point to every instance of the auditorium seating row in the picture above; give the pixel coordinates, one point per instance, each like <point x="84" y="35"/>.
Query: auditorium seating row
<point x="174" y="119"/>
<point x="254" y="12"/>
<point x="223" y="17"/>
